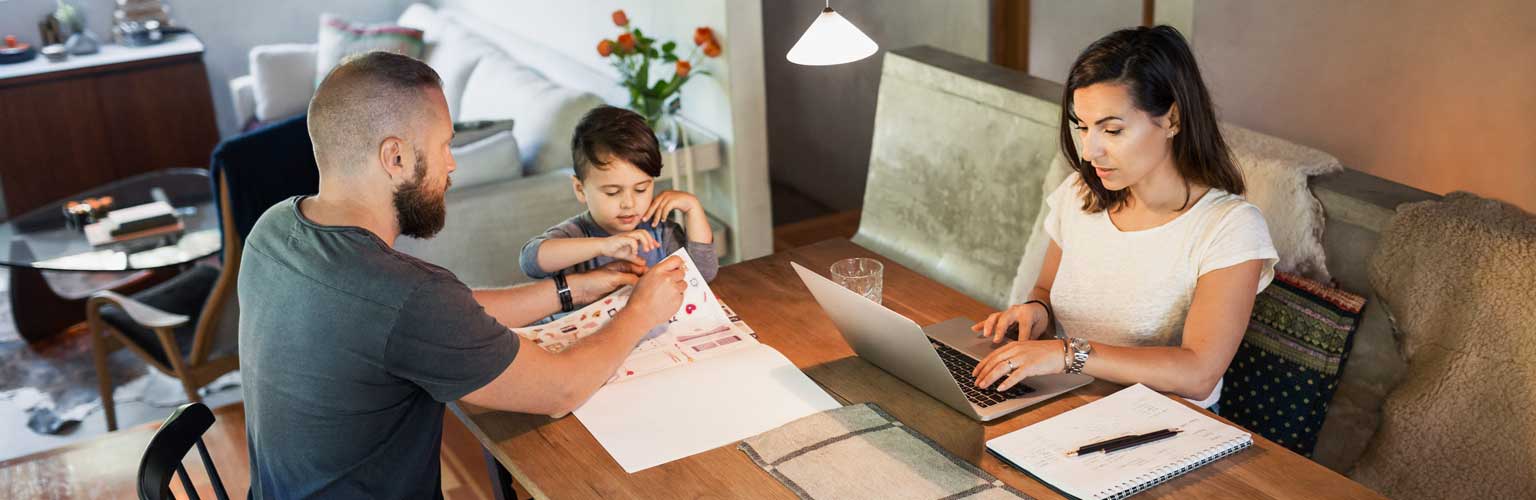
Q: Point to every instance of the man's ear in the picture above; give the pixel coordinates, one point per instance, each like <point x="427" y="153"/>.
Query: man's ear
<point x="392" y="156"/>
<point x="581" y="196"/>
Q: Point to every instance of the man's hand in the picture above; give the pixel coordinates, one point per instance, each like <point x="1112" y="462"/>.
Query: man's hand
<point x="595" y="284"/>
<point x="659" y="293"/>
<point x="628" y="245"/>
<point x="666" y="202"/>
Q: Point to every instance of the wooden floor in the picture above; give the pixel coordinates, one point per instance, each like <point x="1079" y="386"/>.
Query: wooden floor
<point x="106" y="467"/>
<point x="799" y="234"/>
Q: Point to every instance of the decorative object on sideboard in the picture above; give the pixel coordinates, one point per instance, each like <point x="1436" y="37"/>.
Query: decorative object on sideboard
<point x="55" y="52"/>
<point x="830" y="40"/>
<point x="660" y="101"/>
<point x="141" y="11"/>
<point x="15" y="52"/>
<point x="67" y="25"/>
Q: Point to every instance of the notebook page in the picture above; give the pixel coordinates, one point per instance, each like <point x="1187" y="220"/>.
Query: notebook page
<point x="1041" y="448"/>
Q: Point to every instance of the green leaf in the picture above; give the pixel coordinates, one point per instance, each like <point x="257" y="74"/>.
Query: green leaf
<point x="669" y="57"/>
<point x="669" y="47"/>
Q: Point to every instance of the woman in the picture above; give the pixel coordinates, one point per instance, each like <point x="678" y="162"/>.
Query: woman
<point x="1155" y="257"/>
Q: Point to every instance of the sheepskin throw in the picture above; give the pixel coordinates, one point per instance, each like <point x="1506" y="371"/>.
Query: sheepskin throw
<point x="1458" y="277"/>
<point x="1276" y="173"/>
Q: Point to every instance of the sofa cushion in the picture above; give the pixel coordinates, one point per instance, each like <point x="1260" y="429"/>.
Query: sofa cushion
<point x="454" y="56"/>
<point x="491" y="159"/>
<point x="1456" y="277"/>
<point x="546" y="113"/>
<point x="340" y="38"/>
<point x="1284" y="374"/>
<point x="488" y="224"/>
<point x="284" y="77"/>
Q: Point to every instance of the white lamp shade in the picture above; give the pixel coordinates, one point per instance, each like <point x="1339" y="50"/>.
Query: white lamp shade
<point x="831" y="40"/>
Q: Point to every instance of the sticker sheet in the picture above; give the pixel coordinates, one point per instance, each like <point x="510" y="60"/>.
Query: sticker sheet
<point x="700" y="328"/>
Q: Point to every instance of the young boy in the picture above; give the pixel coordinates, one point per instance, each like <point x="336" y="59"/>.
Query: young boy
<point x="617" y="160"/>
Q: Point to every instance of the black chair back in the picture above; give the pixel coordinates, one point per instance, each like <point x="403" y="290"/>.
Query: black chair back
<point x="162" y="459"/>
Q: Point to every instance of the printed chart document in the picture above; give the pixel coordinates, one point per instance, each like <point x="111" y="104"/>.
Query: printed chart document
<point x="1040" y="449"/>
<point x="699" y="382"/>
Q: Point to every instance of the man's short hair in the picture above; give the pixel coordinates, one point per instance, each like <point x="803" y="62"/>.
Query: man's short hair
<point x="608" y="133"/>
<point x="364" y="99"/>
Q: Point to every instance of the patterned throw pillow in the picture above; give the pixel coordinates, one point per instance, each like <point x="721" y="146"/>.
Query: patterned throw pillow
<point x="1288" y="366"/>
<point x="340" y="38"/>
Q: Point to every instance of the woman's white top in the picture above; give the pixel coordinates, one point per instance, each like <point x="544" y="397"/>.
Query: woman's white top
<point x="1134" y="288"/>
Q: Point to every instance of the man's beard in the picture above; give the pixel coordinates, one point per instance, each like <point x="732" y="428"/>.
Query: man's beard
<point x="419" y="214"/>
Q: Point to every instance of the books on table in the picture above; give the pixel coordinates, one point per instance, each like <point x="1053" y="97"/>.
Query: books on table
<point x="1040" y="450"/>
<point x="697" y="383"/>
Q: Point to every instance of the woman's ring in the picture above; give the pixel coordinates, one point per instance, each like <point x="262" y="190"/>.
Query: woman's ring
<point x="1010" y="366"/>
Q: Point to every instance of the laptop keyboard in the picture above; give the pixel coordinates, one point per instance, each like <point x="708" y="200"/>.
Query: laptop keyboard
<point x="960" y="367"/>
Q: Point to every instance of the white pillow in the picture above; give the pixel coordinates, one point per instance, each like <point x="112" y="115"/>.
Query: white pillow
<point x="489" y="160"/>
<point x="285" y="79"/>
<point x="340" y="38"/>
<point x="454" y="55"/>
<point x="546" y="113"/>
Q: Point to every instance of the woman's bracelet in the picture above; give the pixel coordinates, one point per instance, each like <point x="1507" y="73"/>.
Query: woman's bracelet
<point x="1050" y="317"/>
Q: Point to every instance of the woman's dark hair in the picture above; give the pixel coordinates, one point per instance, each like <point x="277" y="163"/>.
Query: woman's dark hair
<point x="608" y="132"/>
<point x="1158" y="70"/>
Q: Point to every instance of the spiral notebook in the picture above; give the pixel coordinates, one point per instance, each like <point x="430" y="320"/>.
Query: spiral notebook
<point x="1040" y="450"/>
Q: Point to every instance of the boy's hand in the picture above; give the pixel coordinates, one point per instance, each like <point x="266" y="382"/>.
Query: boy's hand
<point x="595" y="284"/>
<point x="628" y="245"/>
<point x="663" y="205"/>
<point x="659" y="293"/>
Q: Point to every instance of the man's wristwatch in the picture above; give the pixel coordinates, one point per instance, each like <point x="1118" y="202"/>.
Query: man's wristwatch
<point x="567" y="304"/>
<point x="1080" y="350"/>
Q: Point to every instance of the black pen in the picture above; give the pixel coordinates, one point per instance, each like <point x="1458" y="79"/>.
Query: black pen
<point x="1124" y="442"/>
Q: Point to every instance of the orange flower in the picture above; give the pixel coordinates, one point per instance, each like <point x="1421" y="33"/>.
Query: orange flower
<point x="605" y="48"/>
<point x="682" y="68"/>
<point x="627" y="42"/>
<point x="712" y="49"/>
<point x="703" y="35"/>
<point x="619" y="18"/>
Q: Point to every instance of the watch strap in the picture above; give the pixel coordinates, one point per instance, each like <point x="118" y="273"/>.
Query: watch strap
<point x="563" y="289"/>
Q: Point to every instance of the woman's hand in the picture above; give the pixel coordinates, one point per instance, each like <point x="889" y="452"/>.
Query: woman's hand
<point x="1030" y="316"/>
<point x="1020" y="360"/>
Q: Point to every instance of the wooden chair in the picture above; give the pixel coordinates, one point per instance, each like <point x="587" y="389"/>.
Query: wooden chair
<point x="162" y="458"/>
<point x="188" y="327"/>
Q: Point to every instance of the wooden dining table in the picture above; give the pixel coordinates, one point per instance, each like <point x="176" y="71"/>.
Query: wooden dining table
<point x="559" y="458"/>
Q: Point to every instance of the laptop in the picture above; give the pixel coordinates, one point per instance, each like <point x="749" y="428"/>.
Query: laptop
<point x="937" y="360"/>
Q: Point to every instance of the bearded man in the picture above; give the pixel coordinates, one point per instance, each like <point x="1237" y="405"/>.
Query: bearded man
<point x="349" y="349"/>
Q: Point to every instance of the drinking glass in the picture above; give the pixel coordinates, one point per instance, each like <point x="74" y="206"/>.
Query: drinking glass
<point x="863" y="276"/>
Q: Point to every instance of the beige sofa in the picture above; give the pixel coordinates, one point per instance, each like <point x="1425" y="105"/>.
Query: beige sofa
<point x="487" y="75"/>
<point x="962" y="151"/>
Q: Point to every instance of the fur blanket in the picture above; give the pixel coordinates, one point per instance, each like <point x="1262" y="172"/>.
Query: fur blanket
<point x="1275" y="172"/>
<point x="1457" y="277"/>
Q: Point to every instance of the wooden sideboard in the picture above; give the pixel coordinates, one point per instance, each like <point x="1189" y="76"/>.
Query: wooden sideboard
<point x="67" y="127"/>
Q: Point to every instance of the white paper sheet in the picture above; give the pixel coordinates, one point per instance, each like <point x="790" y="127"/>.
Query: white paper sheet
<point x="672" y="414"/>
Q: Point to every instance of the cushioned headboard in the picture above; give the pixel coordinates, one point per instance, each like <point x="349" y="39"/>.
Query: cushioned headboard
<point x="960" y="148"/>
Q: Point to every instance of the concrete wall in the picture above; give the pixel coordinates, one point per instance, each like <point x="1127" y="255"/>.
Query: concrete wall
<point x="1426" y="93"/>
<point x="821" y="119"/>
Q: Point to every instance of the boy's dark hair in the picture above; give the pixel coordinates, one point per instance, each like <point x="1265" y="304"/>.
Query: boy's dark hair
<point x="608" y="133"/>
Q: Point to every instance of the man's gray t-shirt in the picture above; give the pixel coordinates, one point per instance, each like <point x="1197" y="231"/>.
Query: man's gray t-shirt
<point x="348" y="351"/>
